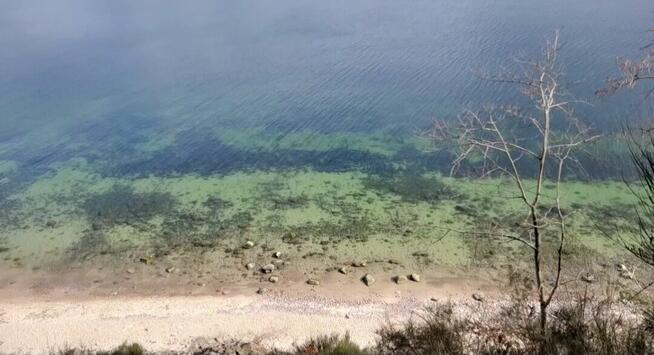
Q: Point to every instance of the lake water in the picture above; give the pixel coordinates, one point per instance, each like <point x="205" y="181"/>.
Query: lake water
<point x="208" y="106"/>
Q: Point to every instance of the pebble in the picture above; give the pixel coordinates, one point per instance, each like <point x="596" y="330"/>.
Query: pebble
<point x="414" y="277"/>
<point x="273" y="279"/>
<point x="478" y="297"/>
<point x="313" y="282"/>
<point x="399" y="279"/>
<point x="344" y="270"/>
<point x="360" y="263"/>
<point x="262" y="290"/>
<point x="249" y="244"/>
<point x="131" y="271"/>
<point x="249" y="266"/>
<point x="267" y="269"/>
<point x="170" y="269"/>
<point x="277" y="255"/>
<point x="368" y="279"/>
<point x="589" y="278"/>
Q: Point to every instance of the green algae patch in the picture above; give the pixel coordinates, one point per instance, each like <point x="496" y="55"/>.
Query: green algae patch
<point x="8" y="167"/>
<point x="156" y="143"/>
<point x="421" y="219"/>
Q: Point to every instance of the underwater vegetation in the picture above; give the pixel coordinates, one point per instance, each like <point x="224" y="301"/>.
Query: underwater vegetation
<point x="205" y="154"/>
<point x="122" y="205"/>
<point x="410" y="187"/>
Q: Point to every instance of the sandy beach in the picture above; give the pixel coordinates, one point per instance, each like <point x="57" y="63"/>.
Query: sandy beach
<point x="278" y="318"/>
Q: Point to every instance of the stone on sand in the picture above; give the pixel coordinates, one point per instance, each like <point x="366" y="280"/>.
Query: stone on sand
<point x="267" y="269"/>
<point x="368" y="279"/>
<point x="399" y="279"/>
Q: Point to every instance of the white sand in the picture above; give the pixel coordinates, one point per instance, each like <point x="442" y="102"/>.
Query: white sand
<point x="172" y="323"/>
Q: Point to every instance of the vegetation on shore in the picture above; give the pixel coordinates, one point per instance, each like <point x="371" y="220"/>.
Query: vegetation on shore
<point x="582" y="326"/>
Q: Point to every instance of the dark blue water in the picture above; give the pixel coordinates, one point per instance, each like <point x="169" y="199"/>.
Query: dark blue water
<point x="96" y="78"/>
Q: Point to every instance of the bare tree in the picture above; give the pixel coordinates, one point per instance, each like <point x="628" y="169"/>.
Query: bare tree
<point x="631" y="72"/>
<point x="531" y="145"/>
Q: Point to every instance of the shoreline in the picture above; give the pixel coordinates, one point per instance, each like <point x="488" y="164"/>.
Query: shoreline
<point x="280" y="318"/>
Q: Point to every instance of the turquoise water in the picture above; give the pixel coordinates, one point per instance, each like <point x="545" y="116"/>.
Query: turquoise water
<point x="111" y="74"/>
<point x="142" y="121"/>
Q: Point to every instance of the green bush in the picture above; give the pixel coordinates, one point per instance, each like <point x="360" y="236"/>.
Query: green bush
<point x="330" y="345"/>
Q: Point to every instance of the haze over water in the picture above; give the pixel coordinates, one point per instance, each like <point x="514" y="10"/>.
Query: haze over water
<point x="284" y="66"/>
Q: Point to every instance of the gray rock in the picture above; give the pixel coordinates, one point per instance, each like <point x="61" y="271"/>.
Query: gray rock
<point x="267" y="269"/>
<point x="313" y="282"/>
<point x="414" y="277"/>
<point x="478" y="297"/>
<point x="626" y="274"/>
<point x="278" y="262"/>
<point x="368" y="279"/>
<point x="248" y="245"/>
<point x="587" y="277"/>
<point x="399" y="279"/>
<point x="273" y="279"/>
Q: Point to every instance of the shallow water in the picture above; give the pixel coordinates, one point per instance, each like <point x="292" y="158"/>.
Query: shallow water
<point x="159" y="126"/>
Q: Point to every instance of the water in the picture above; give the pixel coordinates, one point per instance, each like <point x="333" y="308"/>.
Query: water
<point x="182" y="98"/>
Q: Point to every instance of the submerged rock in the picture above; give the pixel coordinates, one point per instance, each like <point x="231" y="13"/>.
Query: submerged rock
<point x="51" y="224"/>
<point x="368" y="279"/>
